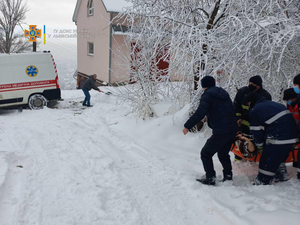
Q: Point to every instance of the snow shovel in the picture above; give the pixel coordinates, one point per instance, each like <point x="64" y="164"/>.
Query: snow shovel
<point x="107" y="93"/>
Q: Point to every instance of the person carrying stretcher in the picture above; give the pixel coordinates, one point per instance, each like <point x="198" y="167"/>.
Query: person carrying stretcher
<point x="274" y="133"/>
<point x="242" y="110"/>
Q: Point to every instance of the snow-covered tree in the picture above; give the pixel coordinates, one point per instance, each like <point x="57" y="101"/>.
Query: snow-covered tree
<point x="230" y="40"/>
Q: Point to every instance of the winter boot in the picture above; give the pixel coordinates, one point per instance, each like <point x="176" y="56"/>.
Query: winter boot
<point x="281" y="174"/>
<point x="298" y="175"/>
<point x="226" y="177"/>
<point x="207" y="180"/>
<point x="262" y="181"/>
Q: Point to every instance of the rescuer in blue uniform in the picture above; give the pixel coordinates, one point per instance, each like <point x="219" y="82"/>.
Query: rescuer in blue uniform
<point x="215" y="103"/>
<point x="274" y="131"/>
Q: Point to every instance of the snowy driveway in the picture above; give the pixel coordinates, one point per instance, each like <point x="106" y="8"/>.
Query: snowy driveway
<point x="101" y="166"/>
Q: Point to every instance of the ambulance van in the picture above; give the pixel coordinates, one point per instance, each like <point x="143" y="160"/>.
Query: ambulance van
<point x="28" y="79"/>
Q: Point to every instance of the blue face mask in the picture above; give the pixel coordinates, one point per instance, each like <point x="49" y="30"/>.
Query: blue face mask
<point x="289" y="102"/>
<point x="296" y="89"/>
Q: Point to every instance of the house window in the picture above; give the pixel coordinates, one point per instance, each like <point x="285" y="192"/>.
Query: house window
<point x="90" y="48"/>
<point x="90" y="8"/>
<point x="120" y="28"/>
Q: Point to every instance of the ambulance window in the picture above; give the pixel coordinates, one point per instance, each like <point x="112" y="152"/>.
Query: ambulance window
<point x="90" y="48"/>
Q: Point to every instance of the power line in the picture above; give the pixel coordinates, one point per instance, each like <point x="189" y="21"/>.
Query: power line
<point x="62" y="42"/>
<point x="62" y="48"/>
<point x="72" y="49"/>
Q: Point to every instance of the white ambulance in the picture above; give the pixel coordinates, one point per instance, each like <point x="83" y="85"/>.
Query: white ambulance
<point x="28" y="79"/>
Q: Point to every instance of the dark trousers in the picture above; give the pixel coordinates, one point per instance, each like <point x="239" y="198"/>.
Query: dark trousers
<point x="271" y="158"/>
<point x="87" y="97"/>
<point x="221" y="144"/>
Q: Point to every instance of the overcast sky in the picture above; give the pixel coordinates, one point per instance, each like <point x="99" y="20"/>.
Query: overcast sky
<point x="53" y="13"/>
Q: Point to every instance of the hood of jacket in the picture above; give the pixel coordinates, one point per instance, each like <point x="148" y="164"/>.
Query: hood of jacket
<point x="91" y="77"/>
<point x="218" y="93"/>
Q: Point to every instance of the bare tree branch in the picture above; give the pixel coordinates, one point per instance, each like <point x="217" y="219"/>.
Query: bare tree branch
<point x="12" y="13"/>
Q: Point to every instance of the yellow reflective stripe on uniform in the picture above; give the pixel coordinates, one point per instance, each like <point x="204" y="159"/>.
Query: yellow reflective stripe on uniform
<point x="246" y="123"/>
<point x="245" y="107"/>
<point x="259" y="144"/>
<point x="238" y="114"/>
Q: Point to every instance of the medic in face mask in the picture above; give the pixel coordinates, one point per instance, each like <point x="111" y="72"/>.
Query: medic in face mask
<point x="296" y="89"/>
<point x="291" y="97"/>
<point x="253" y="87"/>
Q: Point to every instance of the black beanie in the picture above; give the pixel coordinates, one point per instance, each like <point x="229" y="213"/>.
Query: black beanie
<point x="253" y="97"/>
<point x="297" y="79"/>
<point x="208" y="82"/>
<point x="289" y="94"/>
<point x="256" y="80"/>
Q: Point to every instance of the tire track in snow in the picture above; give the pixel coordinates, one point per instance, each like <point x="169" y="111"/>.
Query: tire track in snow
<point x="69" y="180"/>
<point x="157" y="188"/>
<point x="91" y="175"/>
<point x="11" y="193"/>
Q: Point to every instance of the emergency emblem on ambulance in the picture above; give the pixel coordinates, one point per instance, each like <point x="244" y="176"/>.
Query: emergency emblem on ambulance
<point x="32" y="71"/>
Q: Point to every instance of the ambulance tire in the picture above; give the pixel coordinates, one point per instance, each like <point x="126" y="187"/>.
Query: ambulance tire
<point x="37" y="101"/>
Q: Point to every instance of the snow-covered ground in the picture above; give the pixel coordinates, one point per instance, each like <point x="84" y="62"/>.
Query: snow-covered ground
<point x="102" y="166"/>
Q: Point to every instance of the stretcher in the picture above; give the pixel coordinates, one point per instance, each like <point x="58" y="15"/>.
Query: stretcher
<point x="291" y="158"/>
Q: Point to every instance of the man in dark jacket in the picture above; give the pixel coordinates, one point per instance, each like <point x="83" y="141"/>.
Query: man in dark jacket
<point x="216" y="104"/>
<point x="241" y="107"/>
<point x="87" y="86"/>
<point x="274" y="131"/>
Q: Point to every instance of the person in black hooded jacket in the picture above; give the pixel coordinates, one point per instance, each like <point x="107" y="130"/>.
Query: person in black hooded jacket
<point x="215" y="103"/>
<point x="241" y="108"/>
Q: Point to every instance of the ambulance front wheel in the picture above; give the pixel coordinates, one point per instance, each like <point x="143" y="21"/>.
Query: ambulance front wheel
<point x="37" y="101"/>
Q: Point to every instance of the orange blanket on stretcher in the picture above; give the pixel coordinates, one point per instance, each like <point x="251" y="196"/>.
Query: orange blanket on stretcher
<point x="292" y="156"/>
